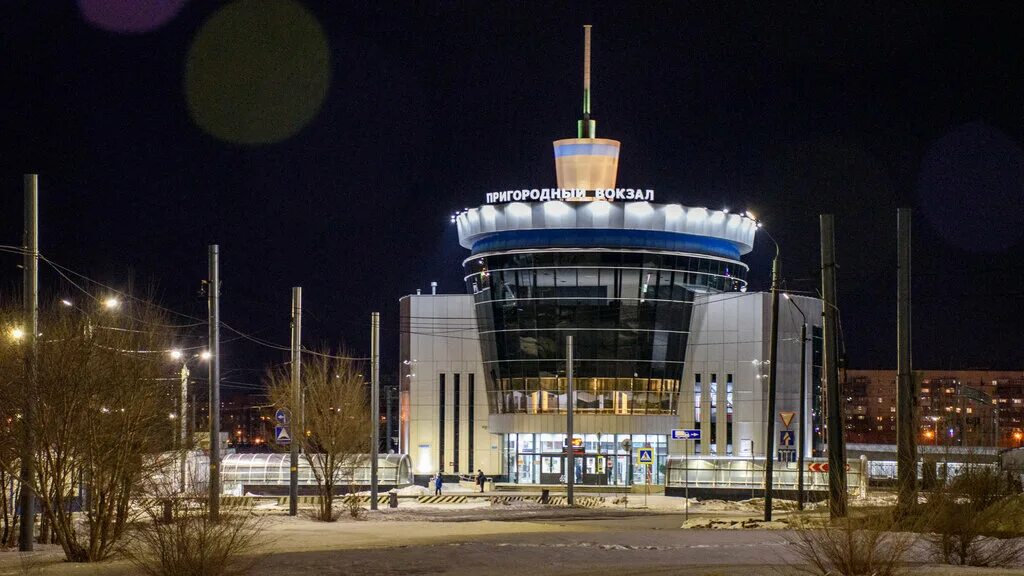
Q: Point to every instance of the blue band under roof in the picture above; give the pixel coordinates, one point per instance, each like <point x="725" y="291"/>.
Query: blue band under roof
<point x="587" y="150"/>
<point x="606" y="238"/>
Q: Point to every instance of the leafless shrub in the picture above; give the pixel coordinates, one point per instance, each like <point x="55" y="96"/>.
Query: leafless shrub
<point x="974" y="519"/>
<point x="353" y="505"/>
<point x="335" y="416"/>
<point x="852" y="546"/>
<point x="192" y="544"/>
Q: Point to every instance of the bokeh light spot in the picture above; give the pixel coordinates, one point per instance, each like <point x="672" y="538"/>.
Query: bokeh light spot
<point x="971" y="188"/>
<point x="257" y="71"/>
<point x="129" y="16"/>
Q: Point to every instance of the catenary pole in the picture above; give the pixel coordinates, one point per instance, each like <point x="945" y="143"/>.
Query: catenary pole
<point x="183" y="425"/>
<point x="773" y="363"/>
<point x="296" y="425"/>
<point x="31" y="302"/>
<point x="570" y="450"/>
<point x="836" y="445"/>
<point x="804" y="421"/>
<point x="213" y="296"/>
<point x="374" y="404"/>
<point x="906" y="433"/>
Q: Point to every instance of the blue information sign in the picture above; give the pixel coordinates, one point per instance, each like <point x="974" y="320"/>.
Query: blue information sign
<point x="282" y="435"/>
<point x="786" y="438"/>
<point x="685" y="434"/>
<point x="281" y="416"/>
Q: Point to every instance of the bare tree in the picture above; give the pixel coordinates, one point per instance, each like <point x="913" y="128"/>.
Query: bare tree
<point x="333" y="424"/>
<point x="102" y="421"/>
<point x="11" y="371"/>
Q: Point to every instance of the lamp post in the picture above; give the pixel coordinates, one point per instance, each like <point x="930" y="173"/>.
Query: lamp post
<point x="180" y="356"/>
<point x="803" y="406"/>
<point x="769" y="452"/>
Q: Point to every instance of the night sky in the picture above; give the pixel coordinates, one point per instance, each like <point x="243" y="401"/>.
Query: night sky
<point x="327" y="145"/>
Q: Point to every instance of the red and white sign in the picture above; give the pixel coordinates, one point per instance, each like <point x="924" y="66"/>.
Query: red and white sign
<point x="821" y="467"/>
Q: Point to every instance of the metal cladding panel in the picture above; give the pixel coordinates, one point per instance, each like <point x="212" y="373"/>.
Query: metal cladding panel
<point x="718" y="227"/>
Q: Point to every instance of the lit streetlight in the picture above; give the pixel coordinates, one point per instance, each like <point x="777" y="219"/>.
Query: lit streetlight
<point x="111" y="303"/>
<point x="16" y="333"/>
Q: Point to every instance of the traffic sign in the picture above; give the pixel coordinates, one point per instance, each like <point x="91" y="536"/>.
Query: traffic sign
<point x="787" y="418"/>
<point x="685" y="434"/>
<point x="645" y="456"/>
<point x="282" y="435"/>
<point x="786" y="438"/>
<point x="281" y="416"/>
<point x="821" y="467"/>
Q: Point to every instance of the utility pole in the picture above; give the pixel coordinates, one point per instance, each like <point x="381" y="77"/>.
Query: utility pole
<point x="836" y="445"/>
<point x="297" y="426"/>
<point x="183" y="421"/>
<point x="375" y="404"/>
<point x="213" y="295"/>
<point x="906" y="433"/>
<point x="773" y="355"/>
<point x="388" y="394"/>
<point x="802" y="442"/>
<point x="570" y="398"/>
<point x="31" y="301"/>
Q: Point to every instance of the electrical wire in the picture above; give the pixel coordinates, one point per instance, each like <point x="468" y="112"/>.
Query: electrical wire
<point x="60" y="269"/>
<point x="282" y="348"/>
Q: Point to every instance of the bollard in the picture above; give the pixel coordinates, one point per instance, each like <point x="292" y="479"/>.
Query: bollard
<point x="544" y="494"/>
<point x="168" y="511"/>
<point x="392" y="499"/>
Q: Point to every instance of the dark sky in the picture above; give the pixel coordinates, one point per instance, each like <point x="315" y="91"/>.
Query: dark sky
<point x="789" y="110"/>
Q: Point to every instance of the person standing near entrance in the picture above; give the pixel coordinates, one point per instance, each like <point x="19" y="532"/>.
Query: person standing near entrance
<point x="438" y="481"/>
<point x="480" y="479"/>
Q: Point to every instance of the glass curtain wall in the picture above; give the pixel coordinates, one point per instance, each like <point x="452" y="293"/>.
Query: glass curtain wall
<point x="605" y="459"/>
<point x="629" y="313"/>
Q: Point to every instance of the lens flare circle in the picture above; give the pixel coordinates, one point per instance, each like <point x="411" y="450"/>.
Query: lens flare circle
<point x="257" y="71"/>
<point x="971" y="188"/>
<point x="129" y="16"/>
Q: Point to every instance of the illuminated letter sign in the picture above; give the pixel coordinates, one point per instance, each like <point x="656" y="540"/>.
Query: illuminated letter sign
<point x="571" y="195"/>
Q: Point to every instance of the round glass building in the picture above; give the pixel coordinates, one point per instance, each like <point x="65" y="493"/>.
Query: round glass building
<point x="618" y="277"/>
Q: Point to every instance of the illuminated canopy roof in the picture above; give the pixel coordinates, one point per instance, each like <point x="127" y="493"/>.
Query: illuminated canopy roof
<point x="638" y="225"/>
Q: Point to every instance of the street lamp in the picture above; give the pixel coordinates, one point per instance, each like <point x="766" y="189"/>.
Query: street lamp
<point x="111" y="303"/>
<point x="16" y="333"/>
<point x="180" y="356"/>
<point x="935" y="423"/>
<point x="1018" y="435"/>
<point x="803" y="405"/>
<point x="773" y="351"/>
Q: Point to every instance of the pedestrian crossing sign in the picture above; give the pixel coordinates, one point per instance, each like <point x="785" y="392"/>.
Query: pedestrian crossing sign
<point x="282" y="435"/>
<point x="645" y="456"/>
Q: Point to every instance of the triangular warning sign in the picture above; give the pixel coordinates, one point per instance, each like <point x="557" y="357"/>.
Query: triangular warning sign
<point x="787" y="417"/>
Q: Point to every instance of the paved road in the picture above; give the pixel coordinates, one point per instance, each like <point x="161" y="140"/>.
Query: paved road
<point x="636" y="545"/>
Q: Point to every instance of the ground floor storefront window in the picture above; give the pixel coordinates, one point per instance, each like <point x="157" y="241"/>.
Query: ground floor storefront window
<point x="600" y="459"/>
